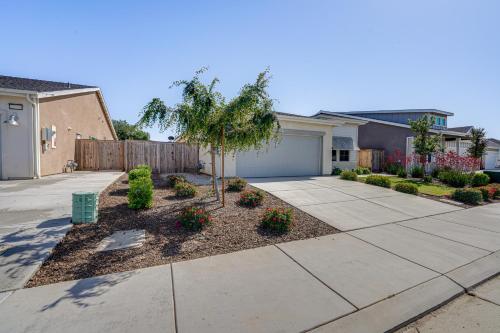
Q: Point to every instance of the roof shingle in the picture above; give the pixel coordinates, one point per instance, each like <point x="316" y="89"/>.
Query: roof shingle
<point x="18" y="83"/>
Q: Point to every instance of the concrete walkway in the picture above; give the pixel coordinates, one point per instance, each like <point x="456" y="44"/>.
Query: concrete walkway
<point x="371" y="279"/>
<point x="35" y="216"/>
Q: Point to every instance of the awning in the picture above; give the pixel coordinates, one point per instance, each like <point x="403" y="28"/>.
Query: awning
<point x="342" y="143"/>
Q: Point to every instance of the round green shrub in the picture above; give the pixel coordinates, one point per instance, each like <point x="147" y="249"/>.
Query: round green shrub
<point x="362" y="171"/>
<point x="336" y="171"/>
<point x="455" y="178"/>
<point x="236" y="184"/>
<point x="348" y="175"/>
<point x="406" y="188"/>
<point x="277" y="219"/>
<point x="139" y="173"/>
<point x="417" y="171"/>
<point x="427" y="179"/>
<point x="378" y="180"/>
<point x="194" y="218"/>
<point x="480" y="179"/>
<point x="172" y="180"/>
<point x="185" y="190"/>
<point x="143" y="166"/>
<point x="140" y="194"/>
<point x="468" y="195"/>
<point x="251" y="198"/>
<point x="402" y="173"/>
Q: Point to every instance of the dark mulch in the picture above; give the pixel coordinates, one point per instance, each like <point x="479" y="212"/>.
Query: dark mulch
<point x="234" y="228"/>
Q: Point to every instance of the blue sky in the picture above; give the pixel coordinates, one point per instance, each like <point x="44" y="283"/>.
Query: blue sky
<point x="331" y="55"/>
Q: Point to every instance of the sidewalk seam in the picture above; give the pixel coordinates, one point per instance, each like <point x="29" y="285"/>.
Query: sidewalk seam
<point x="173" y="297"/>
<point x="314" y="276"/>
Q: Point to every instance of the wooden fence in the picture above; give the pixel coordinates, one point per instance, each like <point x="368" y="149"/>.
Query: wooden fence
<point x="371" y="158"/>
<point x="162" y="157"/>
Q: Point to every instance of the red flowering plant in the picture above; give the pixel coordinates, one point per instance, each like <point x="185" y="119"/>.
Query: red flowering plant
<point x="395" y="162"/>
<point x="251" y="198"/>
<point x="452" y="161"/>
<point x="277" y="219"/>
<point x="194" y="218"/>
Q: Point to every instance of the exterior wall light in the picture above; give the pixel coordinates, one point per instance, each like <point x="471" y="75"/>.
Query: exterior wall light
<point x="12" y="120"/>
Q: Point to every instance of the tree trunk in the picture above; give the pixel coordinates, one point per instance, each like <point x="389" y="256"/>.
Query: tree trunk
<point x="212" y="156"/>
<point x="222" y="167"/>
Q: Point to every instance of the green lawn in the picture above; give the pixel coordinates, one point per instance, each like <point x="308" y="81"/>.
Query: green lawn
<point x="430" y="189"/>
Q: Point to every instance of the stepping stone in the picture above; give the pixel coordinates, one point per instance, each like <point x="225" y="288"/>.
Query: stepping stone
<point x="122" y="239"/>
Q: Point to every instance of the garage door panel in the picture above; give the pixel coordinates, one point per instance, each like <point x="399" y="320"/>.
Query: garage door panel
<point x="294" y="155"/>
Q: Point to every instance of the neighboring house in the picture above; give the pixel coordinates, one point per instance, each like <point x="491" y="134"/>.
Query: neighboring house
<point x="40" y="120"/>
<point x="389" y="129"/>
<point x="308" y="146"/>
<point x="492" y="155"/>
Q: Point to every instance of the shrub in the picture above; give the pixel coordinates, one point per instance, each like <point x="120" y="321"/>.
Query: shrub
<point x="377" y="180"/>
<point x="174" y="179"/>
<point x="348" y="175"/>
<point x="139" y="173"/>
<point x="251" y="198"/>
<point x="468" y="195"/>
<point x="490" y="192"/>
<point x="406" y="188"/>
<point x="236" y="184"/>
<point x="427" y="179"/>
<point x="417" y="171"/>
<point x="277" y="219"/>
<point x="402" y="173"/>
<point x="336" y="171"/>
<point x="485" y="193"/>
<point x="193" y="218"/>
<point x="140" y="194"/>
<point x="144" y="166"/>
<point x="454" y="178"/>
<point x="393" y="168"/>
<point x="480" y="179"/>
<point x="185" y="190"/>
<point x="362" y="171"/>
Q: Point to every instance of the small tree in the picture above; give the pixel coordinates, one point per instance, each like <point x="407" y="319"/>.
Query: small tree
<point x="478" y="140"/>
<point x="424" y="142"/>
<point x="203" y="117"/>
<point x="126" y="131"/>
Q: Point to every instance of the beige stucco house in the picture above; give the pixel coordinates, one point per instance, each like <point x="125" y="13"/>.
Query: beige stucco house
<point x="308" y="146"/>
<point x="40" y="121"/>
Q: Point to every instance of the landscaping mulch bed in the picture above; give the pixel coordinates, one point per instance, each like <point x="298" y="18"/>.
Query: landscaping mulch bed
<point x="234" y="228"/>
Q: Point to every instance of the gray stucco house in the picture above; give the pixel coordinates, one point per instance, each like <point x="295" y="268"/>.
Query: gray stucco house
<point x="389" y="129"/>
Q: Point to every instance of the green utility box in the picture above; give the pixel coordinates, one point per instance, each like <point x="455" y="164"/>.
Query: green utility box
<point x="85" y="205"/>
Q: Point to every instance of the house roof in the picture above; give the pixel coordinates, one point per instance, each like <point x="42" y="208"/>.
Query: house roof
<point x="493" y="142"/>
<point x="19" y="83"/>
<point x="384" y="122"/>
<point x="436" y="111"/>
<point x="461" y="129"/>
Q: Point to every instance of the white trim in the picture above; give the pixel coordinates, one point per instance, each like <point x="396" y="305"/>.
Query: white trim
<point x="436" y="111"/>
<point x="332" y="122"/>
<point x="459" y="134"/>
<point x="65" y="92"/>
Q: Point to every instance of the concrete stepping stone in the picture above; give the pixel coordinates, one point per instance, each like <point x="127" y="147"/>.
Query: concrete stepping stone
<point x="122" y="239"/>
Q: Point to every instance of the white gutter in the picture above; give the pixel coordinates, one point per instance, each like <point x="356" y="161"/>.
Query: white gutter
<point x="332" y="122"/>
<point x="36" y="135"/>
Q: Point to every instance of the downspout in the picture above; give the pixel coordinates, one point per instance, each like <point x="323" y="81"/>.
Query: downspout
<point x="36" y="135"/>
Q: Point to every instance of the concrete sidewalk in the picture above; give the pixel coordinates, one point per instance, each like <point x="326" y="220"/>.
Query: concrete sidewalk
<point x="369" y="280"/>
<point x="35" y="216"/>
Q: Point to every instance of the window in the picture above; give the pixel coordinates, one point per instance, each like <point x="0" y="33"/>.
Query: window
<point x="344" y="156"/>
<point x="334" y="155"/>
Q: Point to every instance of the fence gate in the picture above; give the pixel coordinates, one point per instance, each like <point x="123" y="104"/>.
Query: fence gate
<point x="162" y="157"/>
<point x="371" y="158"/>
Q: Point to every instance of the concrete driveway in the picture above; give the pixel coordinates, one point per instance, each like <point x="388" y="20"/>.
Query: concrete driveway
<point x="35" y="216"/>
<point x="348" y="205"/>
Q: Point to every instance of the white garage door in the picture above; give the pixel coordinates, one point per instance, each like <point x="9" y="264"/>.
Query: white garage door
<point x="297" y="154"/>
<point x="490" y="161"/>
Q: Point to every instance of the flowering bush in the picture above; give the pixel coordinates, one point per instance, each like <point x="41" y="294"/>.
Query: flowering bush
<point x="490" y="192"/>
<point x="193" y="218"/>
<point x="185" y="190"/>
<point x="453" y="161"/>
<point x="394" y="162"/>
<point x="236" y="184"/>
<point x="277" y="219"/>
<point x="251" y="198"/>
